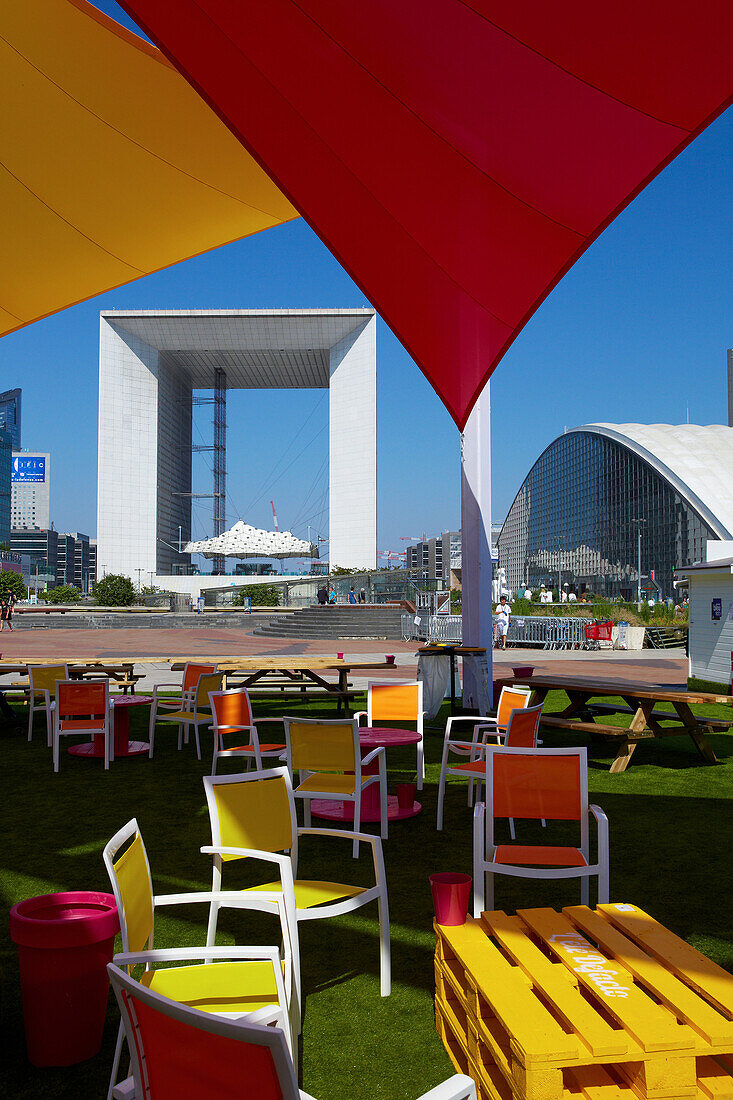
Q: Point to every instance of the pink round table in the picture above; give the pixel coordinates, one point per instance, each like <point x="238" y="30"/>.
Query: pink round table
<point x="121" y="724"/>
<point x="371" y="737"/>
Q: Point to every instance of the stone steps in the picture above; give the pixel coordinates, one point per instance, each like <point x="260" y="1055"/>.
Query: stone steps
<point x="341" y="622"/>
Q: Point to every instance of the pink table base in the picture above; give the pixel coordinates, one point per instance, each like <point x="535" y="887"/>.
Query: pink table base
<point x="371" y="737"/>
<point x="121" y="719"/>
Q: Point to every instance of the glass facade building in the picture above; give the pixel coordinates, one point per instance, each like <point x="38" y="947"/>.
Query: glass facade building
<point x="577" y="512"/>
<point x="6" y="456"/>
<point x="10" y="402"/>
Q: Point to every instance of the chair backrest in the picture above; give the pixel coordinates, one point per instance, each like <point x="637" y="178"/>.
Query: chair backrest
<point x="180" y="1051"/>
<point x="401" y="702"/>
<point x="82" y="703"/>
<point x="523" y="727"/>
<point x="209" y="682"/>
<point x="510" y="699"/>
<point x="231" y="708"/>
<point x="550" y="784"/>
<point x="192" y="673"/>
<point x="43" y="678"/>
<point x="252" y="810"/>
<point x="132" y="886"/>
<point x="320" y="745"/>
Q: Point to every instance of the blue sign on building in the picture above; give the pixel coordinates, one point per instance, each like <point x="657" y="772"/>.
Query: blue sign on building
<point x="28" y="468"/>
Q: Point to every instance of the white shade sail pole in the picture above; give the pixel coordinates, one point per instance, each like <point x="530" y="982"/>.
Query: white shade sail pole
<point x="476" y="547"/>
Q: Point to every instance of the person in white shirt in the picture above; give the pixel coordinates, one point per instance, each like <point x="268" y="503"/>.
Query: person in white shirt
<point x="572" y="597"/>
<point x="528" y="593"/>
<point x="545" y="594"/>
<point x="504" y="615"/>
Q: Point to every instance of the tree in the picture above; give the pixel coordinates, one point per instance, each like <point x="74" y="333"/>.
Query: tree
<point x="262" y="595"/>
<point x="62" y="593"/>
<point x="114" y="590"/>
<point x="13" y="582"/>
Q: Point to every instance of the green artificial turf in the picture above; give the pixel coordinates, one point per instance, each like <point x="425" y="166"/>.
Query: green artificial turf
<point x="671" y="833"/>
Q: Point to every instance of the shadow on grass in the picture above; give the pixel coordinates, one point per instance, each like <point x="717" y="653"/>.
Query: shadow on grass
<point x="671" y="836"/>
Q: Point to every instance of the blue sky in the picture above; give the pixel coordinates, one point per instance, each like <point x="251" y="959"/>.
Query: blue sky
<point x="637" y="331"/>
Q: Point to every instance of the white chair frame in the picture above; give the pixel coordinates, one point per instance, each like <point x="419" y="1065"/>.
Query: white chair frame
<point x="484" y="847"/>
<point x="249" y="1029"/>
<point x="218" y="731"/>
<point x="287" y="866"/>
<point x="48" y="705"/>
<point x="361" y="782"/>
<point x="419" y="720"/>
<point x="285" y="964"/>
<point x="190" y="705"/>
<point x="486" y="727"/>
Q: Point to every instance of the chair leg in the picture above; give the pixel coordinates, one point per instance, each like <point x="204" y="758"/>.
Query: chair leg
<point x="30" y="719"/>
<point x="512" y="834"/>
<point x="385" y="954"/>
<point x="383" y="803"/>
<point x="469" y="793"/>
<point x="603" y="884"/>
<point x="116" y="1060"/>
<point x="56" y="751"/>
<point x="420" y="765"/>
<point x="357" y="823"/>
<point x="585" y="890"/>
<point x="180" y="735"/>
<point x="441" y="789"/>
<point x="198" y="743"/>
<point x="211" y="927"/>
<point x="49" y="728"/>
<point x="307" y="813"/>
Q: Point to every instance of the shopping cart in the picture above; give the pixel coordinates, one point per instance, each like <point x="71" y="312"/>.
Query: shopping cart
<point x="595" y="633"/>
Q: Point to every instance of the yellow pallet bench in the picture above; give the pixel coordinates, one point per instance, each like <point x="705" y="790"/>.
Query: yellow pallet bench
<point x="603" y="1004"/>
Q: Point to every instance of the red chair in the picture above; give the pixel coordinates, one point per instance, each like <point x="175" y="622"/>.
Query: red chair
<point x="82" y="706"/>
<point x="539" y="784"/>
<point x="232" y="711"/>
<point x="177" y="1051"/>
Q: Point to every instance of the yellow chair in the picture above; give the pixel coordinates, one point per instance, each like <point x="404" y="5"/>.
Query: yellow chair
<point x="42" y="693"/>
<point x="232" y="713"/>
<point x="397" y="702"/>
<point x="329" y="760"/>
<point x="260" y="978"/>
<point x="195" y="712"/>
<point x="253" y="816"/>
<point x="186" y="690"/>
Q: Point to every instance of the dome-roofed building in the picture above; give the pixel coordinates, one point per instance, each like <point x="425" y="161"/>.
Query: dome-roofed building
<point x="580" y="505"/>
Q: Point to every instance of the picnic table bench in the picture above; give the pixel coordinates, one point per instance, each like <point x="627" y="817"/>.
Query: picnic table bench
<point x="123" y="673"/>
<point x="602" y="1005"/>
<point x="294" y="674"/>
<point x="641" y="701"/>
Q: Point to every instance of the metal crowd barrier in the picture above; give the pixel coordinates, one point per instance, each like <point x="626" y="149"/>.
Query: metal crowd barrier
<point x="544" y="631"/>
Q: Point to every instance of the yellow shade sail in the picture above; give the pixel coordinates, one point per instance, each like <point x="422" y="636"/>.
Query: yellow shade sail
<point x="111" y="166"/>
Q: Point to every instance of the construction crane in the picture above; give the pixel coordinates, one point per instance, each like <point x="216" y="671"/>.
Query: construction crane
<point x="413" y="538"/>
<point x="274" y="515"/>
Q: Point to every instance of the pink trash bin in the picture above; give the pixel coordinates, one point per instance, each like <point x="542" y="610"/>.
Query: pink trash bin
<point x="64" y="944"/>
<point x="451" y="894"/>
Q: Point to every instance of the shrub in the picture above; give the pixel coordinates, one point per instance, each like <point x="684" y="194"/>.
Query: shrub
<point x="114" y="590"/>
<point x="13" y="582"/>
<point x="262" y="595"/>
<point x="62" y="593"/>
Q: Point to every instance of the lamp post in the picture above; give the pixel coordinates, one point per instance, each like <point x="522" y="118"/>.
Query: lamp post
<point x="139" y="582"/>
<point x="638" y="521"/>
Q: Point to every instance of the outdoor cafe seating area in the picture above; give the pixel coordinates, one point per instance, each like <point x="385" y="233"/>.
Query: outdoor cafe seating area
<point x="277" y="906"/>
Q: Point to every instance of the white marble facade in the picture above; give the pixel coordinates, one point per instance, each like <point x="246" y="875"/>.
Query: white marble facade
<point x="150" y="361"/>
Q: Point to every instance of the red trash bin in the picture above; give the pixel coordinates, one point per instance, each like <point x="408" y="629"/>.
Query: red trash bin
<point x="64" y="944"/>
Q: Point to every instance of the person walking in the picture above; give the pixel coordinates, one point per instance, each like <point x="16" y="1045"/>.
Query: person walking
<point x="504" y="615"/>
<point x="322" y="595"/>
<point x="352" y="595"/>
<point x="4" y="612"/>
<point x="362" y="596"/>
<point x="332" y="595"/>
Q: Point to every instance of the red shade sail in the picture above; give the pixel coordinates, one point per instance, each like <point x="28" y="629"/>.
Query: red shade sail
<point x="456" y="157"/>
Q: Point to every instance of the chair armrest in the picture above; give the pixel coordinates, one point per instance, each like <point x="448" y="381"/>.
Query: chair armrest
<point x="259" y="721"/>
<point x="372" y="756"/>
<point x="458" y="1087"/>
<point x="188" y="954"/>
<point x="159" y="687"/>
<point x="228" y="897"/>
<point x="380" y="876"/>
<point x="602" y="823"/>
<point x="467" y="744"/>
<point x="359" y="715"/>
<point x="475" y="718"/>
<point x="252" y="853"/>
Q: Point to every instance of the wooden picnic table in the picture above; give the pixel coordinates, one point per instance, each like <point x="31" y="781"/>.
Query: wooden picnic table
<point x="640" y="702"/>
<point x="297" y="672"/>
<point x="123" y="672"/>
<point x="606" y="1003"/>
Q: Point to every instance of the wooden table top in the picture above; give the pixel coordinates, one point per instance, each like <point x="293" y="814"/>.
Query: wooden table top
<point x="611" y="687"/>
<point x="293" y="664"/>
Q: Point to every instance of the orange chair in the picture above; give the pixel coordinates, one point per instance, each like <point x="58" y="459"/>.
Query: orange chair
<point x="178" y="1051"/>
<point x="186" y="689"/>
<point x="539" y="784"/>
<point x="194" y="712"/>
<point x="510" y="700"/>
<point x="232" y="711"/>
<point x="82" y="706"/>
<point x="397" y="702"/>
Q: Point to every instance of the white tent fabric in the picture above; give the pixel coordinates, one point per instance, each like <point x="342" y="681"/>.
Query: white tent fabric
<point x="244" y="541"/>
